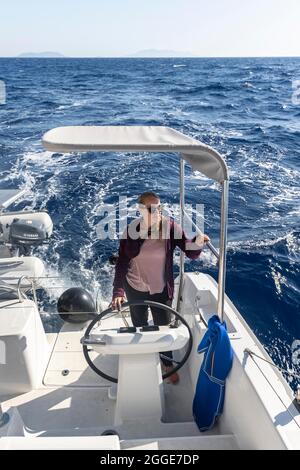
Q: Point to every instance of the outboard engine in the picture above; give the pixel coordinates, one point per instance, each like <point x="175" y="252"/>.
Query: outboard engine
<point x="72" y="302"/>
<point x="27" y="233"/>
<point x="22" y="231"/>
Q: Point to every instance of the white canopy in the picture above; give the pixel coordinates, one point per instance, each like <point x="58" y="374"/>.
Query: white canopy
<point x="201" y="157"/>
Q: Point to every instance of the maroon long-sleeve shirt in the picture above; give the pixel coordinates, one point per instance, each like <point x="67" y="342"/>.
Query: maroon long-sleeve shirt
<point x="130" y="247"/>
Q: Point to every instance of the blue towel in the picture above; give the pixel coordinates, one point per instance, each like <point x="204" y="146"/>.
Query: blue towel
<point x="210" y="391"/>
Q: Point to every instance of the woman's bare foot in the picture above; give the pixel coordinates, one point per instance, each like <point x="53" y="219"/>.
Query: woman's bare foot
<point x="174" y="378"/>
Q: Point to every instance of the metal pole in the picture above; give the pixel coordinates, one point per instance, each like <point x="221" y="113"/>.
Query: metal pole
<point x="182" y="209"/>
<point x="4" y="417"/>
<point x="223" y="248"/>
<point x="199" y="232"/>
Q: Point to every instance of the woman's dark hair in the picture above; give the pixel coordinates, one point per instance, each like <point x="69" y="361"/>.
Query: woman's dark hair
<point x="148" y="194"/>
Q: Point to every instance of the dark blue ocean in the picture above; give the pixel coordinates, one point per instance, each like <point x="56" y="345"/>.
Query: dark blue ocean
<point x="242" y="107"/>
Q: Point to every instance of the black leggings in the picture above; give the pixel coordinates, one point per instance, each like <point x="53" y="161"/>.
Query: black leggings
<point x="139" y="313"/>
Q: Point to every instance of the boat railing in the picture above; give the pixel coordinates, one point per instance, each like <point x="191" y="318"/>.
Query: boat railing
<point x="34" y="283"/>
<point x="9" y="288"/>
<point x="19" y="286"/>
<point x="209" y="245"/>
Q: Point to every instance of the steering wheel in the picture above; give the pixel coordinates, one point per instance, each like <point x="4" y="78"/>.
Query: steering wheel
<point x="133" y="304"/>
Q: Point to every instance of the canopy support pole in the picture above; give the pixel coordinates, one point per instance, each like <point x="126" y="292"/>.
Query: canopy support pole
<point x="223" y="249"/>
<point x="182" y="210"/>
<point x="4" y="417"/>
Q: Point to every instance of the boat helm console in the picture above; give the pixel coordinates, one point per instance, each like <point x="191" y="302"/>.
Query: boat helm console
<point x="139" y="372"/>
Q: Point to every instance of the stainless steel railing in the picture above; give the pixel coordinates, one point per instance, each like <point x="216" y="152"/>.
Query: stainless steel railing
<point x="209" y="245"/>
<point x="4" y="285"/>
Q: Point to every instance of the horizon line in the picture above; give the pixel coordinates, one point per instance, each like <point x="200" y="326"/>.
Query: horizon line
<point x="160" y="57"/>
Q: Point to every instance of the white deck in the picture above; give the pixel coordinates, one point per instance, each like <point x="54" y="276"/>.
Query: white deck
<point x="67" y="355"/>
<point x="258" y="412"/>
<point x="81" y="398"/>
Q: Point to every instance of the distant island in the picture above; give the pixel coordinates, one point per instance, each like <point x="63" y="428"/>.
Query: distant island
<point x="145" y="53"/>
<point x="160" y="53"/>
<point x="40" y="55"/>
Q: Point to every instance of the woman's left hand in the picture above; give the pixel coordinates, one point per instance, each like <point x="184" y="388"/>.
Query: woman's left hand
<point x="202" y="239"/>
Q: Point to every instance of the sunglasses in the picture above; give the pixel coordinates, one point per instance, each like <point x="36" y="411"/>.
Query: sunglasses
<point x="152" y="209"/>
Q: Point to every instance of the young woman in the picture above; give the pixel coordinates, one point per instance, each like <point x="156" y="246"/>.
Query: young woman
<point x="144" y="270"/>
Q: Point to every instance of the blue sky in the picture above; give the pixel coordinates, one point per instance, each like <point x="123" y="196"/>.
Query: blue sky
<point x="89" y="28"/>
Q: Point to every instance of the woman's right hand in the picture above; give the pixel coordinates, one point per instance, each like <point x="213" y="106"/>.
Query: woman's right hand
<point x="117" y="302"/>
